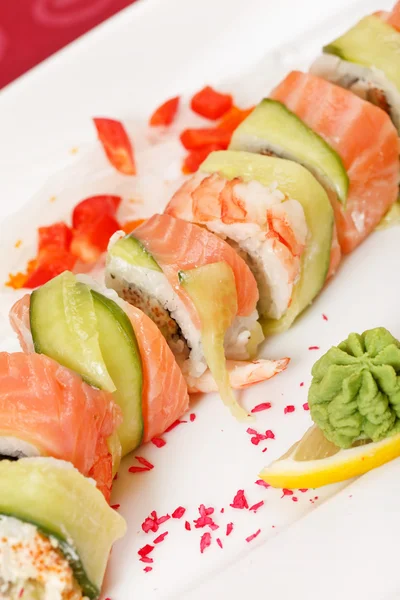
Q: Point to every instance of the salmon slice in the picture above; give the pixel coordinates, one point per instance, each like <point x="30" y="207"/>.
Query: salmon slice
<point x="50" y="408"/>
<point x="364" y="137"/>
<point x="179" y="245"/>
<point x="164" y="395"/>
<point x="393" y="18"/>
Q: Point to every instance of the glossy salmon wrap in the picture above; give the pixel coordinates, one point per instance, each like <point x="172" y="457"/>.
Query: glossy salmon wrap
<point x="366" y="60"/>
<point x="350" y="145"/>
<point x="56" y="531"/>
<point x="276" y="215"/>
<point x="201" y="294"/>
<point x="111" y="345"/>
<point x="42" y="408"/>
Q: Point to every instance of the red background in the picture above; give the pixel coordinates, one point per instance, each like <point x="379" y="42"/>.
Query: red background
<point x="32" y="30"/>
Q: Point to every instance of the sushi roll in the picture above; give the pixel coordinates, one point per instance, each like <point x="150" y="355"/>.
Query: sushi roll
<point x="276" y="214"/>
<point x="349" y="144"/>
<point x="41" y="407"/>
<point x="111" y="345"/>
<point x="366" y="60"/>
<point x="201" y="294"/>
<point x="56" y="531"/>
<point x="144" y="269"/>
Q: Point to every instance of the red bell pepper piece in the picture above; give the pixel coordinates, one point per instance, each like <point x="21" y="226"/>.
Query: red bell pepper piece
<point x="232" y="119"/>
<point x="192" y="139"/>
<point x="89" y="209"/>
<point x="116" y="144"/>
<point x="211" y="104"/>
<point x="194" y="159"/>
<point x="91" y="240"/>
<point x="50" y="262"/>
<point x="58" y="235"/>
<point x="165" y="114"/>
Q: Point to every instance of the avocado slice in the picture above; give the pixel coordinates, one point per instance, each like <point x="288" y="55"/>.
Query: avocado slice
<point x="271" y="127"/>
<point x="371" y="43"/>
<point x="121" y="354"/>
<point x="64" y="327"/>
<point x="133" y="252"/>
<point x="296" y="182"/>
<point x="212" y="289"/>
<point x="66" y="507"/>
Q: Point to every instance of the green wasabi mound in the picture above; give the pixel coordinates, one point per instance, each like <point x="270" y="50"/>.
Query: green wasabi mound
<point x="355" y="390"/>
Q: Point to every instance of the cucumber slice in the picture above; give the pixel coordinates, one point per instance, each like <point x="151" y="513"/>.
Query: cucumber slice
<point x="295" y="182"/>
<point x="121" y="354"/>
<point x="371" y="43"/>
<point x="133" y="252"/>
<point x="65" y="506"/>
<point x="64" y="327"/>
<point x="273" y="127"/>
<point x="212" y="289"/>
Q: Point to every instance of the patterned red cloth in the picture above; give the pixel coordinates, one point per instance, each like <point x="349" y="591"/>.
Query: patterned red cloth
<point x="32" y="30"/>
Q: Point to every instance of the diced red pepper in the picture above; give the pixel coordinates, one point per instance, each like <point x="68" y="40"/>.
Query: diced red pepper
<point x="116" y="144"/>
<point x="131" y="225"/>
<point x="91" y="240"/>
<point x="232" y="119"/>
<point x="192" y="139"/>
<point x="91" y="208"/>
<point x="51" y="262"/>
<point x="58" y="234"/>
<point x="165" y="114"/>
<point x="194" y="159"/>
<point x="211" y="104"/>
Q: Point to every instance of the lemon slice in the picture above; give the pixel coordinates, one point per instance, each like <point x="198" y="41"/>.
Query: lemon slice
<point x="314" y="461"/>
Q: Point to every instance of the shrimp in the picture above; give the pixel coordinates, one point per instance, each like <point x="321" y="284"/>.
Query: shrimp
<point x="242" y="374"/>
<point x="267" y="228"/>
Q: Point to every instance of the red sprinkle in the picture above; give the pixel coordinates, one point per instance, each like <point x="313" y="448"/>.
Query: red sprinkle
<point x="261" y="407"/>
<point x="295" y="499"/>
<point x="270" y="434"/>
<point x="178" y="512"/>
<point x="147" y="465"/>
<point x="160" y="538"/>
<point x="264" y="450"/>
<point x="239" y="500"/>
<point x="255" y="507"/>
<point x="313" y="347"/>
<point x="187" y="526"/>
<point x="325" y="318"/>
<point x="153" y="522"/>
<point x="286" y="492"/>
<point x="305" y="406"/>
<point x="205" y="541"/>
<point x="289" y="409"/>
<point x="146" y="559"/>
<point x="143" y="552"/>
<point x="302" y="383"/>
<point x="304" y="490"/>
<point x="257" y="437"/>
<point x="219" y="542"/>
<point x="174" y="424"/>
<point x="115" y="506"/>
<point x="192" y="417"/>
<point x="229" y="529"/>
<point x="222" y="510"/>
<point x="158" y="442"/>
<point x="253" y="535"/>
<point x="205" y="518"/>
<point x="262" y="483"/>
<point x="147" y="570"/>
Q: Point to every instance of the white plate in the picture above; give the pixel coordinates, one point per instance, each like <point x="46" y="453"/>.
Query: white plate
<point x="339" y="545"/>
